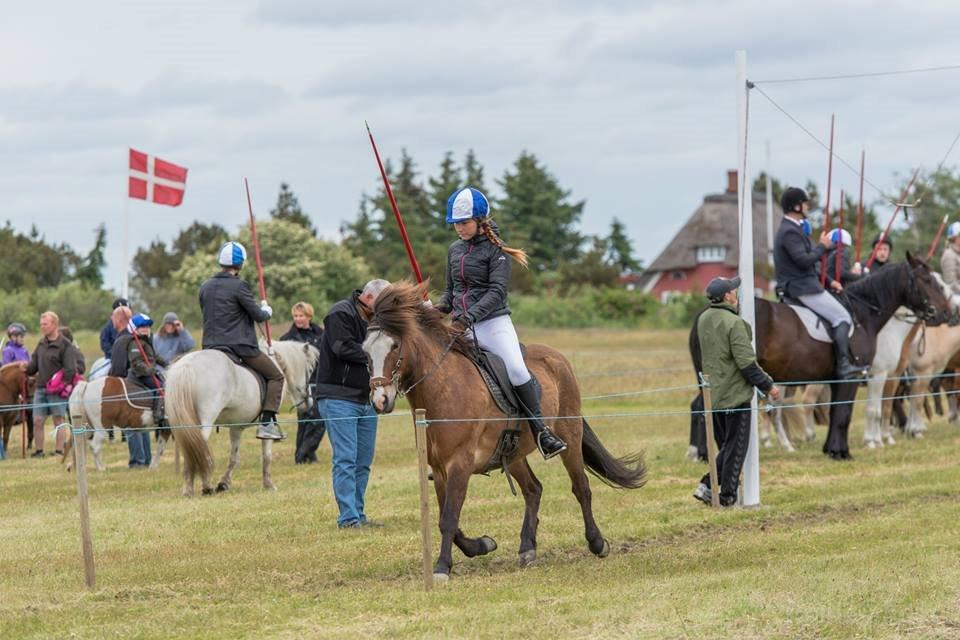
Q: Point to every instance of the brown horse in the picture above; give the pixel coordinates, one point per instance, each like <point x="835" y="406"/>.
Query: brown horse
<point x="413" y="352"/>
<point x="787" y="352"/>
<point x="12" y="378"/>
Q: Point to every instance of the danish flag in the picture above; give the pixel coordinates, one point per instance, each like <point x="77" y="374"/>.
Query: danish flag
<point x="156" y="180"/>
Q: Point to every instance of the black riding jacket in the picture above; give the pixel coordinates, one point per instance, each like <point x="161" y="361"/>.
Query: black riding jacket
<point x="229" y="311"/>
<point x="796" y="260"/>
<point x="343" y="362"/>
<point x="478" y="275"/>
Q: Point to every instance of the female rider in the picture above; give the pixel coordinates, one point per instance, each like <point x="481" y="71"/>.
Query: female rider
<point x="478" y="274"/>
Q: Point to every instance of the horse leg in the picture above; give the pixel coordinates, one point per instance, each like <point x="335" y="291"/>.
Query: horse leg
<point x="810" y="395"/>
<point x="205" y="486"/>
<point x="227" y="479"/>
<point x="266" y="458"/>
<point x="454" y="492"/>
<point x="764" y="431"/>
<point x="573" y="461"/>
<point x="916" y="426"/>
<point x="532" y="490"/>
<point x="96" y="445"/>
<point x="872" y="437"/>
<point x="776" y="416"/>
<point x="836" y="445"/>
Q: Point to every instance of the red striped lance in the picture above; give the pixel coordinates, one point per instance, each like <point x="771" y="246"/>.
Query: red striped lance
<point x="886" y="231"/>
<point x="863" y="158"/>
<point x="936" y="238"/>
<point x="826" y="208"/>
<point x="256" y="256"/>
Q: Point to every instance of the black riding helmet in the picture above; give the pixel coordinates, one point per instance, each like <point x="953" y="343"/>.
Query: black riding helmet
<point x="792" y="197"/>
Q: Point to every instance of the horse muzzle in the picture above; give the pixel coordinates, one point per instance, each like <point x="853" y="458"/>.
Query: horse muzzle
<point x="383" y="395"/>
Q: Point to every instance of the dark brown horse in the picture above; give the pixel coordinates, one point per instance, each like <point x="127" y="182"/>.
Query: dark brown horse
<point x="411" y="350"/>
<point x="12" y="378"/>
<point x="789" y="354"/>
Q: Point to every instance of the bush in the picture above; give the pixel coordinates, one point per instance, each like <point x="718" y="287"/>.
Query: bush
<point x="78" y="305"/>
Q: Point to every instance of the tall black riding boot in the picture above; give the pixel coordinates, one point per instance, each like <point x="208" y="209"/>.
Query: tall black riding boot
<point x="529" y="395"/>
<point x="846" y="370"/>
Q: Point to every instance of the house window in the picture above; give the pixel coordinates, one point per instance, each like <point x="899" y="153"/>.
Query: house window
<point x="711" y="253"/>
<point x="677" y="275"/>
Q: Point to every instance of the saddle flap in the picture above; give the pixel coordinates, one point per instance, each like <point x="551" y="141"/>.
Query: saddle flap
<point x="237" y="360"/>
<point x="815" y="325"/>
<point x="494" y="374"/>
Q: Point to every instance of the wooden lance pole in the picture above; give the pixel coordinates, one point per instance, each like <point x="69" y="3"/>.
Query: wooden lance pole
<point x="86" y="537"/>
<point x="711" y="442"/>
<point x="256" y="256"/>
<point x="826" y="208"/>
<point x="936" y="238"/>
<point x="420" y="430"/>
<point x="886" y="231"/>
<point x="836" y="254"/>
<point x="396" y="210"/>
<point x="859" y="239"/>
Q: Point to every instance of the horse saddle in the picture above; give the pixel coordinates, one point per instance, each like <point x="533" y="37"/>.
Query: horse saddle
<point x="135" y="394"/>
<point x="237" y="360"/>
<point x="815" y="325"/>
<point x="494" y="374"/>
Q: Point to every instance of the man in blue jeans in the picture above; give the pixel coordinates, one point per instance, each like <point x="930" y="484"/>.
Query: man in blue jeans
<point x="343" y="396"/>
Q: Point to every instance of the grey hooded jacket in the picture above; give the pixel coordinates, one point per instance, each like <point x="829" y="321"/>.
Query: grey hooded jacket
<point x="478" y="275"/>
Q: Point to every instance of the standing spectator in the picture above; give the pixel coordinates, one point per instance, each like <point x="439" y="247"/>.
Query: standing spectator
<point x="14" y="351"/>
<point x="310" y="428"/>
<point x="728" y="358"/>
<point x="343" y="390"/>
<point x="53" y="353"/>
<point x="77" y="354"/>
<point x="109" y="332"/>
<point x="172" y="339"/>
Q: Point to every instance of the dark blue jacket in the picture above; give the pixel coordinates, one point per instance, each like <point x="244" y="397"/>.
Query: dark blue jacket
<point x="846" y="275"/>
<point x="108" y="335"/>
<point x="796" y="260"/>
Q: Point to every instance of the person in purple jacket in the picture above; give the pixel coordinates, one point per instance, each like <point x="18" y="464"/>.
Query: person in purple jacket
<point x="14" y="351"/>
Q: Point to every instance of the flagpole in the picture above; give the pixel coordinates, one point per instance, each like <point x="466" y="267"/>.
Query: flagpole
<point x="125" y="284"/>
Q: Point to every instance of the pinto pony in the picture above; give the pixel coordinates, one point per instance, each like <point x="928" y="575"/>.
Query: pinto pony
<point x="205" y="388"/>
<point x="413" y="352"/>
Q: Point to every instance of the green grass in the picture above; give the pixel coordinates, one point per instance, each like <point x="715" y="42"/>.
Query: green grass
<point x="866" y="549"/>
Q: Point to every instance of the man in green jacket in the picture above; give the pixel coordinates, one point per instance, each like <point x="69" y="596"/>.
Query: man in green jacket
<point x="726" y="346"/>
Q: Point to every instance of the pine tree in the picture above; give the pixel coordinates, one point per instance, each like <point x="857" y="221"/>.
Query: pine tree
<point x="90" y="269"/>
<point x="473" y="172"/>
<point x="288" y="208"/>
<point x="620" y="248"/>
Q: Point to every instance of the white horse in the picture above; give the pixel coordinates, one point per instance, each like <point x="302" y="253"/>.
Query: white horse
<point x="887" y="363"/>
<point x="205" y="388"/>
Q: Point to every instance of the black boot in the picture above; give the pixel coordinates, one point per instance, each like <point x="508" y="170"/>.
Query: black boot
<point x="846" y="370"/>
<point x="529" y="395"/>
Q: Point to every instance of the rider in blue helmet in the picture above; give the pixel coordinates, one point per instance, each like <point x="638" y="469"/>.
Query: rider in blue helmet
<point x="229" y="312"/>
<point x="478" y="275"/>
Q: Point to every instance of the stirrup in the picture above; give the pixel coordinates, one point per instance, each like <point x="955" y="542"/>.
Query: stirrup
<point x="547" y="456"/>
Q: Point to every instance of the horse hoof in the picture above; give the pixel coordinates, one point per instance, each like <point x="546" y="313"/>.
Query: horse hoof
<point x="441" y="578"/>
<point x="487" y="545"/>
<point x="604" y="549"/>
<point x="871" y="444"/>
<point x="207" y="491"/>
<point x="221" y="487"/>
<point x="527" y="558"/>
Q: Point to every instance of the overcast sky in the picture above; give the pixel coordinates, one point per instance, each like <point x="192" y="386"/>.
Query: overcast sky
<point x="631" y="105"/>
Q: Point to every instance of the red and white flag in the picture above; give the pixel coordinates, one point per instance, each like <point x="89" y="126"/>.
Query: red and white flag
<point x="156" y="180"/>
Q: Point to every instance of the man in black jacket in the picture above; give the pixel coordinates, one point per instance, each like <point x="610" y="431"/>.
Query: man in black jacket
<point x="229" y="311"/>
<point x="796" y="261"/>
<point x="343" y="395"/>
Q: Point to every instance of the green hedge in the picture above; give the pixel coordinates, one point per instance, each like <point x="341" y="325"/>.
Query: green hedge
<point x="612" y="308"/>
<point x="79" y="306"/>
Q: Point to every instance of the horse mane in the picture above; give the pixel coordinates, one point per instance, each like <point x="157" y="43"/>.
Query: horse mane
<point x="399" y="310"/>
<point x="881" y="287"/>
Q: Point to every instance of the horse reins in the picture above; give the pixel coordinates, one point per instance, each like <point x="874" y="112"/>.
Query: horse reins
<point x="378" y="382"/>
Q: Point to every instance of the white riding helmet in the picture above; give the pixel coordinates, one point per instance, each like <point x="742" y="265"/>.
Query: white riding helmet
<point x="841" y="236"/>
<point x="953" y="230"/>
<point x="232" y="254"/>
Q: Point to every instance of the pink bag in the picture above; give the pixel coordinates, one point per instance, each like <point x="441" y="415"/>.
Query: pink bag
<point x="57" y="386"/>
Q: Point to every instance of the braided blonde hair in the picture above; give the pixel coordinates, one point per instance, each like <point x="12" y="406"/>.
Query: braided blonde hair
<point x="517" y="254"/>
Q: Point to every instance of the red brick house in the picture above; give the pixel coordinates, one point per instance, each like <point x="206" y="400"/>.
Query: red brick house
<point x="707" y="246"/>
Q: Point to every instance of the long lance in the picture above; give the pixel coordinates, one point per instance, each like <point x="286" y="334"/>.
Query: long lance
<point x="256" y="256"/>
<point x="396" y="209"/>
<point x="886" y="231"/>
<point x="826" y="209"/>
<point x="836" y="254"/>
<point x="936" y="238"/>
<point x="863" y="158"/>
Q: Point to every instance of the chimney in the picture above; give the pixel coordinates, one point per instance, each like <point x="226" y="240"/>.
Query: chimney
<point x="731" y="180"/>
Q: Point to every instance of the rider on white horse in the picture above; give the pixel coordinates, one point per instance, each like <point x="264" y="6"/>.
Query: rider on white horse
<point x="796" y="261"/>
<point x="229" y="312"/>
<point x="950" y="263"/>
<point x="478" y="274"/>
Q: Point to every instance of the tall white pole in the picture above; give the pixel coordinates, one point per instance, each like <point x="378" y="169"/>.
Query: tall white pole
<point x="770" y="214"/>
<point x="125" y="283"/>
<point x="751" y="466"/>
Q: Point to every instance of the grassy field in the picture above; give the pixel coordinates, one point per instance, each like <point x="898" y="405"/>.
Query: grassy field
<point x="865" y="549"/>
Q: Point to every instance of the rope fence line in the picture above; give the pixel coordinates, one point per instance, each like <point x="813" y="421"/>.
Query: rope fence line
<point x="632" y="414"/>
<point x="850" y="76"/>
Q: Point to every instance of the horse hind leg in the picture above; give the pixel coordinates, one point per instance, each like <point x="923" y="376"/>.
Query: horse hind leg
<point x="227" y="479"/>
<point x="532" y="490"/>
<point x="573" y="461"/>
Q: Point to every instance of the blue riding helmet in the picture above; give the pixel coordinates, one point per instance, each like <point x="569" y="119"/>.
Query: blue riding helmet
<point x="141" y="320"/>
<point x="467" y="203"/>
<point x="232" y="254"/>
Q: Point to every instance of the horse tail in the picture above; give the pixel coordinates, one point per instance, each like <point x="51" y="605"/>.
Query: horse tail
<point x="184" y="420"/>
<point x="628" y="472"/>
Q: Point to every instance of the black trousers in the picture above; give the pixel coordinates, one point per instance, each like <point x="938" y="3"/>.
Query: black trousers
<point x="732" y="428"/>
<point x="310" y="431"/>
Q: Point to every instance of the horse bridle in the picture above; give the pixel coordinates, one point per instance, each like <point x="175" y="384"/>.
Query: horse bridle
<point x="378" y="382"/>
<point x="928" y="312"/>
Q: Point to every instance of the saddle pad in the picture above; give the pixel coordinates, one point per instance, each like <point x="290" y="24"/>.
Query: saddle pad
<point x="136" y="394"/>
<point x="235" y="359"/>
<point x="494" y="374"/>
<point x="814" y="324"/>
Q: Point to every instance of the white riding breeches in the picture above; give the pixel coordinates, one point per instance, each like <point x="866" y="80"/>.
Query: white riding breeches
<point x="498" y="336"/>
<point x="827" y="307"/>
